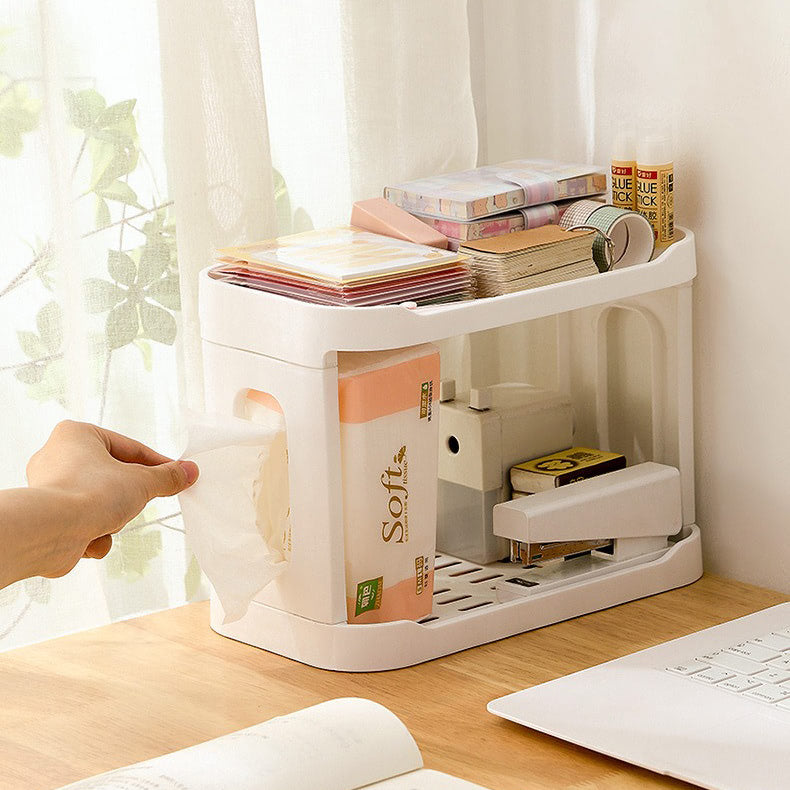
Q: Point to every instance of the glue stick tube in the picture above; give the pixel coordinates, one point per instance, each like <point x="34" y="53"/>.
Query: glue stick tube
<point x="624" y="170"/>
<point x="655" y="186"/>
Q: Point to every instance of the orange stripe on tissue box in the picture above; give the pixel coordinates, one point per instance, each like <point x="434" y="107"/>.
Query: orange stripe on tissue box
<point x="389" y="454"/>
<point x="378" y="215"/>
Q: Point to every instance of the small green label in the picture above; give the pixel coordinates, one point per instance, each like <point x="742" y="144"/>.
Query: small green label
<point x="369" y="595"/>
<point x="426" y="395"/>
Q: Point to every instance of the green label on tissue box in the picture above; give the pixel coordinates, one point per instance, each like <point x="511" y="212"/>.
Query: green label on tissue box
<point x="369" y="595"/>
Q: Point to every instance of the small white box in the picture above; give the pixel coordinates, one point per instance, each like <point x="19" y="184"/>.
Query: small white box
<point x="477" y="447"/>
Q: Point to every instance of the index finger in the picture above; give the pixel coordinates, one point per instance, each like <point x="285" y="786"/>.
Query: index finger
<point x="122" y="448"/>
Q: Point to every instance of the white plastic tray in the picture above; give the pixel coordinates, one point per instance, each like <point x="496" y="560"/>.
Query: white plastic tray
<point x="309" y="334"/>
<point x="465" y="614"/>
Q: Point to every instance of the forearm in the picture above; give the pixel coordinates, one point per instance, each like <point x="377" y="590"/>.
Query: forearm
<point x="40" y="533"/>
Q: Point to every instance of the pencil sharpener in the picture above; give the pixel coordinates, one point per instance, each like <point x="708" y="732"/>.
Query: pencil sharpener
<point x="482" y="434"/>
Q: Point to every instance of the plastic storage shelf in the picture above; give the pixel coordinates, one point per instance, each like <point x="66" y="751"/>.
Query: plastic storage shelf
<point x="287" y="348"/>
<point x="306" y="334"/>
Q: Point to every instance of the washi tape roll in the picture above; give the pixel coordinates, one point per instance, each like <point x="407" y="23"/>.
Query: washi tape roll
<point x="631" y="235"/>
<point x="578" y="212"/>
<point x="536" y="216"/>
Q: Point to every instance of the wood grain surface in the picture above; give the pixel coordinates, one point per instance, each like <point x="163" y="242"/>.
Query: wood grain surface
<point x="86" y="703"/>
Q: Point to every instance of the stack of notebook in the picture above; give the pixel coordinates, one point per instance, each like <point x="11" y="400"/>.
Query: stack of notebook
<point x="348" y="266"/>
<point x="530" y="258"/>
<point x="496" y="199"/>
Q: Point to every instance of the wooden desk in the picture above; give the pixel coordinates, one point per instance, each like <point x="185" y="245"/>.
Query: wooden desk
<point x="83" y="704"/>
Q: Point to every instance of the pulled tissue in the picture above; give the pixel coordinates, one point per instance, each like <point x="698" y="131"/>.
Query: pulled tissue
<point x="237" y="514"/>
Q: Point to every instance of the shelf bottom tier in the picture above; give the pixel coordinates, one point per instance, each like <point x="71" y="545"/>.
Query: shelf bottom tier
<point x="466" y="612"/>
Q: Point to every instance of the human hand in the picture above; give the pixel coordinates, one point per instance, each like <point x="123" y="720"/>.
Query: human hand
<point x="102" y="480"/>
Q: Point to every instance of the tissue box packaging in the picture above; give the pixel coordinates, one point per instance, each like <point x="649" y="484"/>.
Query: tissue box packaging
<point x="389" y="449"/>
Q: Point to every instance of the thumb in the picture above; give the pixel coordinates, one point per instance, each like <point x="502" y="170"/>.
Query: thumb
<point x="170" y="478"/>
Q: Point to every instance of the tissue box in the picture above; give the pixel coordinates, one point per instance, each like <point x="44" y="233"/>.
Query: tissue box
<point x="389" y="433"/>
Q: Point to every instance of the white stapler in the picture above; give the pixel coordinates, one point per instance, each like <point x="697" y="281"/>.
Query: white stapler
<point x="622" y="516"/>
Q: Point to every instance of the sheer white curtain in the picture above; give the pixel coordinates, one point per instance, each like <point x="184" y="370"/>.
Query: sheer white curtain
<point x="134" y="139"/>
<point x="357" y="94"/>
<point x="89" y="293"/>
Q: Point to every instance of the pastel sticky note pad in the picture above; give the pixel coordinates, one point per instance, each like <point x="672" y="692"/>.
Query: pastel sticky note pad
<point x="380" y="216"/>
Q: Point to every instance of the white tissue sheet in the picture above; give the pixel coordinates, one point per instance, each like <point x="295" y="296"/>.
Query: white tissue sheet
<point x="236" y="515"/>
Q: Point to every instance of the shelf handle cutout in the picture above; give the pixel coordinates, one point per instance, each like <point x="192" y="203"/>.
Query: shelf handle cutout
<point x="658" y="375"/>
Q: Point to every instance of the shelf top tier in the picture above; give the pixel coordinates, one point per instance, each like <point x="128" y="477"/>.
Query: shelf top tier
<point x="308" y="334"/>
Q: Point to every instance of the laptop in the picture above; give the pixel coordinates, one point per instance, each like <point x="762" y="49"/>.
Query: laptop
<point x="711" y="708"/>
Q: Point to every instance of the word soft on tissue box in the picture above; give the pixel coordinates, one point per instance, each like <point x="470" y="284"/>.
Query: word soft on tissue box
<point x="483" y="434"/>
<point x="389" y="446"/>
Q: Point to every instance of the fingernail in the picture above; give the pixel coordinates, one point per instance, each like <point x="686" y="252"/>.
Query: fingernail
<point x="190" y="470"/>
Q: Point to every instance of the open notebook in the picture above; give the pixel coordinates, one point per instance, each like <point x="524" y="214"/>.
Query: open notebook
<point x="344" y="744"/>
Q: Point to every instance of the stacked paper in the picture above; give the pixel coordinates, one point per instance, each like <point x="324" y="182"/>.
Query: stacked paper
<point x="530" y="258"/>
<point x="348" y="266"/>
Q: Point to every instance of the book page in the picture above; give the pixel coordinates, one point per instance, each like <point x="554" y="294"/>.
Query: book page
<point x="425" y="780"/>
<point x="343" y="744"/>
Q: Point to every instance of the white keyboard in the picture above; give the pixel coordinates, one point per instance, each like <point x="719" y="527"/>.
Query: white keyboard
<point x="711" y="708"/>
<point x="757" y="669"/>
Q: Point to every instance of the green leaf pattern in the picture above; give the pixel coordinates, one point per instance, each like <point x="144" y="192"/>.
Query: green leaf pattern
<point x="138" y="296"/>
<point x="192" y="579"/>
<point x="133" y="551"/>
<point x="19" y="115"/>
<point x="121" y="267"/>
<point x="84" y="107"/>
<point x="122" y="325"/>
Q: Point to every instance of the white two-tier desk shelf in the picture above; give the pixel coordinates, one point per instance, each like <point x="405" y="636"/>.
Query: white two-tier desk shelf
<point x="287" y="348"/>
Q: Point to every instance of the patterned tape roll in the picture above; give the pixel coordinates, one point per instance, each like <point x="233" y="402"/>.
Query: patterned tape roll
<point x="578" y="212"/>
<point x="631" y="234"/>
<point x="538" y="187"/>
<point x="535" y="216"/>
